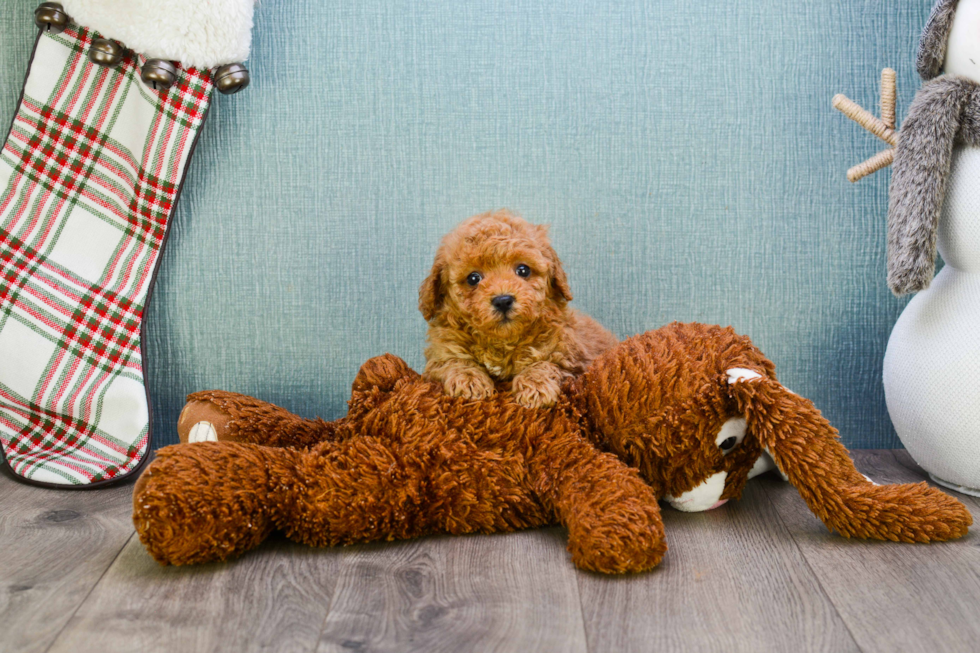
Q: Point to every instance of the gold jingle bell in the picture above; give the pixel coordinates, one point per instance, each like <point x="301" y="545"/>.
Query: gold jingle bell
<point x="106" y="52"/>
<point x="159" y="74"/>
<point x="231" y="78"/>
<point x="51" y="17"/>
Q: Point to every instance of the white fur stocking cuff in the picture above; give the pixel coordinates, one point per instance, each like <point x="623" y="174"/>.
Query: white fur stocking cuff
<point x="197" y="33"/>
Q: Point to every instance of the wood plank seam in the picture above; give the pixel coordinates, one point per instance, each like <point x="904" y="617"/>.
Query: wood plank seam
<point x="890" y="596"/>
<point x="581" y="608"/>
<point x="785" y="528"/>
<point x="326" y="615"/>
<point x="54" y="640"/>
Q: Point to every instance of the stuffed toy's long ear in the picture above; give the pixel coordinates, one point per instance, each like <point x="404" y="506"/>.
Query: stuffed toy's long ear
<point x="806" y="449"/>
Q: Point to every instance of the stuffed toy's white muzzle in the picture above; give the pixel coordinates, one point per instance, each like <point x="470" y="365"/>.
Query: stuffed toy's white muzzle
<point x="707" y="495"/>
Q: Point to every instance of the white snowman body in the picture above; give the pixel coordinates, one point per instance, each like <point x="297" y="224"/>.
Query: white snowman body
<point x="932" y="364"/>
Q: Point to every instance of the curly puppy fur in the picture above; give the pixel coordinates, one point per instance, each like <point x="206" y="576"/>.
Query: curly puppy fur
<point x="478" y="345"/>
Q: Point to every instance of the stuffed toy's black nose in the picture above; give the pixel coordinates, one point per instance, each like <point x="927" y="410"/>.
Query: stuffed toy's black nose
<point x="503" y="303"/>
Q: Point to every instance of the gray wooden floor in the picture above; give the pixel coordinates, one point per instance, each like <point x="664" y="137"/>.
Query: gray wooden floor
<point x="758" y="575"/>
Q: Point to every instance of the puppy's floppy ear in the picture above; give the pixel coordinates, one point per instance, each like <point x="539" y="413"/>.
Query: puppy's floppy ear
<point x="430" y="292"/>
<point x="806" y="449"/>
<point x="558" y="286"/>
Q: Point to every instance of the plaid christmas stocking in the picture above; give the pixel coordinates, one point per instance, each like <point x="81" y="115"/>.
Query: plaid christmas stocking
<point x="89" y="176"/>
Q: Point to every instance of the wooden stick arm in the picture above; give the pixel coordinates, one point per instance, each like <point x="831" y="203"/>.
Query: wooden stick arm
<point x="889" y="97"/>
<point x="884" y="127"/>
<point x="865" y="118"/>
<point x="880" y="160"/>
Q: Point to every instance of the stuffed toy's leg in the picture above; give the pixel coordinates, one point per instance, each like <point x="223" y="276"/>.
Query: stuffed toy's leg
<point x="211" y="501"/>
<point x="805" y="447"/>
<point x="218" y="416"/>
<point x="208" y="501"/>
<point x="612" y="515"/>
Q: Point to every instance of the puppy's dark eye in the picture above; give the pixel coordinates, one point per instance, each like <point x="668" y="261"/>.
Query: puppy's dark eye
<point x="474" y="278"/>
<point x="523" y="271"/>
<point x="728" y="443"/>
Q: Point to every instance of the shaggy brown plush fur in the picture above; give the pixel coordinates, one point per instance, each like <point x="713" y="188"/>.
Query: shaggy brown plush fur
<point x="409" y="460"/>
<point x="530" y="348"/>
<point x="665" y="424"/>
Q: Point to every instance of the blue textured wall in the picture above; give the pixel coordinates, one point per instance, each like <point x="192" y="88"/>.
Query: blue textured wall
<point x="684" y="152"/>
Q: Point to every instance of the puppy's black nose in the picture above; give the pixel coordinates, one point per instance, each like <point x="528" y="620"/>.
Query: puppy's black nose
<point x="502" y="303"/>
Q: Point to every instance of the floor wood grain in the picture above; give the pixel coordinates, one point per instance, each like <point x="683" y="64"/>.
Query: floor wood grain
<point x="893" y="597"/>
<point x="732" y="580"/>
<point x="513" y="592"/>
<point x="274" y="598"/>
<point x="758" y="575"/>
<point x="54" y="547"/>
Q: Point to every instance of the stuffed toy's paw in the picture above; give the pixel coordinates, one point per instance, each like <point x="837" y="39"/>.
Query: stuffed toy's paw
<point x="206" y="502"/>
<point x="204" y="421"/>
<point x="619" y="535"/>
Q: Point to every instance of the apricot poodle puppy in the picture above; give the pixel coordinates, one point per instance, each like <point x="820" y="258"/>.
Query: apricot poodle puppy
<point x="497" y="306"/>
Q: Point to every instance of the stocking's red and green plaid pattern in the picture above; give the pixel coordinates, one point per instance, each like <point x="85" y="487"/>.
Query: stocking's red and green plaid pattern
<point x="88" y="180"/>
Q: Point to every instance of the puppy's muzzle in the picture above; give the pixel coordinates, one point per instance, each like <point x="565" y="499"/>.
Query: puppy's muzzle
<point x="503" y="303"/>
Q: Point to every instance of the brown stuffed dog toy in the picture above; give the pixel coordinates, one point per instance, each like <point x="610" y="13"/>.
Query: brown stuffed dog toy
<point x="684" y="412"/>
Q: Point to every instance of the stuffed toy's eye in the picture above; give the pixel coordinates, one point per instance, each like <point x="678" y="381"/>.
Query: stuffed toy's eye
<point x="474" y="278"/>
<point x="732" y="432"/>
<point x="523" y="271"/>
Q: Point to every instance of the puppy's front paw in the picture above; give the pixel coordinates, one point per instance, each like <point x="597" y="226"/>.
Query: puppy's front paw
<point x="469" y="384"/>
<point x="534" y="391"/>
